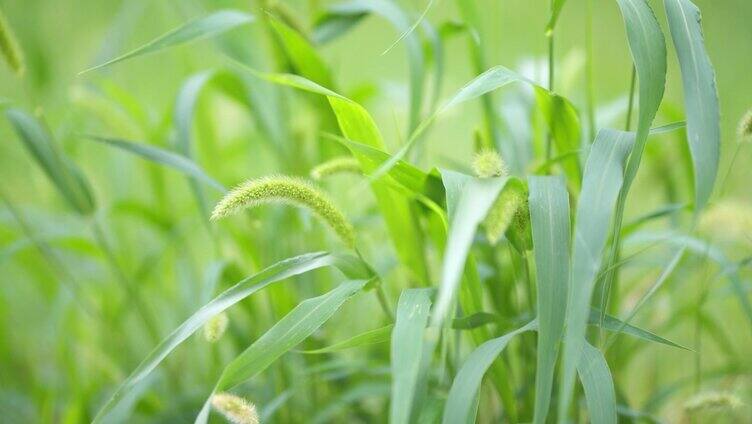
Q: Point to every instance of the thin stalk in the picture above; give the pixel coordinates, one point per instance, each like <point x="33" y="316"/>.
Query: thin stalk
<point x="128" y="286"/>
<point x="589" y="91"/>
<point x="381" y="294"/>
<point x="550" y="78"/>
<point x="630" y="105"/>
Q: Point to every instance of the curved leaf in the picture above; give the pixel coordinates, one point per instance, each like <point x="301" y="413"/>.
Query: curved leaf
<point x="598" y="385"/>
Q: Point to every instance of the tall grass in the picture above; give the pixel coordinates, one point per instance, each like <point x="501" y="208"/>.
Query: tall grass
<point x="570" y="274"/>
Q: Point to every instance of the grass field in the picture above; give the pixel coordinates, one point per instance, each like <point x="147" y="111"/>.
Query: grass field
<point x="375" y="211"/>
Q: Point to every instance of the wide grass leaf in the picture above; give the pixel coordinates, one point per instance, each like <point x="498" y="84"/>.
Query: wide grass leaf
<point x="700" y="95"/>
<point x="462" y="403"/>
<point x="248" y="286"/>
<point x="304" y="58"/>
<point x="407" y="352"/>
<point x="198" y="29"/>
<point x="598" y="385"/>
<point x="549" y="214"/>
<point x="63" y="173"/>
<point x="603" y="178"/>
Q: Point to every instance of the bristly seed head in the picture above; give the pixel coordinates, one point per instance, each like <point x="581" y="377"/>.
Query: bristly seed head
<point x="712" y="400"/>
<point x="488" y="163"/>
<point x="290" y="190"/>
<point x="236" y="409"/>
<point x="338" y="165"/>
<point x="745" y="127"/>
<point x="216" y="327"/>
<point x="503" y="213"/>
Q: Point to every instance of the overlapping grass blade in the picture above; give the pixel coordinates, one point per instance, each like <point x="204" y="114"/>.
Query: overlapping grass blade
<point x="357" y="124"/>
<point x="610" y="323"/>
<point x="304" y="58"/>
<point x="602" y="181"/>
<point x="598" y="385"/>
<point x="407" y="354"/>
<point x="549" y="213"/>
<point x="370" y="337"/>
<point x="277" y="272"/>
<point x="66" y="177"/>
<point x="700" y="95"/>
<point x="462" y="403"/>
<point x="198" y="29"/>
<point x="162" y="157"/>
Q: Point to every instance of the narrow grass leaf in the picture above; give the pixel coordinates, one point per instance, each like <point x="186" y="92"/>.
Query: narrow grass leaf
<point x="66" y="177"/>
<point x="556" y="7"/>
<point x="598" y="385"/>
<point x="248" y="286"/>
<point x="287" y="333"/>
<point x="370" y="337"/>
<point x="601" y="183"/>
<point x="162" y="157"/>
<point x="614" y="324"/>
<point x="462" y="402"/>
<point x="198" y="29"/>
<point x="9" y="47"/>
<point x="304" y="58"/>
<point x="700" y="95"/>
<point x="407" y="352"/>
<point x="549" y="213"/>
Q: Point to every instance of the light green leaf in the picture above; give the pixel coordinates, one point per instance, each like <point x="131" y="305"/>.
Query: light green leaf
<point x="549" y="213"/>
<point x="461" y="405"/>
<point x="198" y="29"/>
<point x="370" y="337"/>
<point x="407" y="352"/>
<point x="598" y="385"/>
<point x="564" y="125"/>
<point x="614" y="324"/>
<point x="63" y="173"/>
<point x="555" y="11"/>
<point x="162" y="157"/>
<point x="601" y="183"/>
<point x="301" y="54"/>
<point x="277" y="272"/>
<point x="287" y="333"/>
<point x="700" y="95"/>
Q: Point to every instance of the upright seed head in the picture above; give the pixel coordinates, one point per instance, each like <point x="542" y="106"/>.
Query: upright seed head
<point x="216" y="327"/>
<point x="290" y="190"/>
<point x="9" y="47"/>
<point x="488" y="163"/>
<point x="338" y="165"/>
<point x="236" y="409"/>
<point x="503" y="213"/>
<point x="745" y="127"/>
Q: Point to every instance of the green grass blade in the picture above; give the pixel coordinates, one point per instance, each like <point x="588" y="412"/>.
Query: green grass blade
<point x="162" y="157"/>
<point x="304" y="58"/>
<point x="287" y="333"/>
<point x="197" y="29"/>
<point x="564" y="125"/>
<point x="370" y="337"/>
<point x="555" y="12"/>
<point x="598" y="385"/>
<point x="9" y="47"/>
<point x="700" y="95"/>
<point x="549" y="213"/>
<point x="407" y="352"/>
<point x="648" y="49"/>
<point x="461" y="404"/>
<point x="600" y="187"/>
<point x="277" y="272"/>
<point x="614" y="324"/>
<point x="66" y="177"/>
<point x="468" y="201"/>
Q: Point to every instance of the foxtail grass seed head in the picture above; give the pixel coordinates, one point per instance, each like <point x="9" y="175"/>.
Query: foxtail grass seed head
<point x="236" y="409"/>
<point x="9" y="47"/>
<point x="339" y="165"/>
<point x="488" y="163"/>
<point x="289" y="190"/>
<point x="745" y="127"/>
<point x="712" y="400"/>
<point x="216" y="327"/>
<point x="503" y="213"/>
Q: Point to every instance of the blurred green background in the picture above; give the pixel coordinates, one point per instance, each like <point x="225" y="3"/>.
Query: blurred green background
<point x="63" y="37"/>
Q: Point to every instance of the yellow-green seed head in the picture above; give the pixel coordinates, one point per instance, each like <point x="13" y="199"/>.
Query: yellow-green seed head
<point x="9" y="47"/>
<point x="236" y="409"/>
<point x="216" y="327"/>
<point x="290" y="190"/>
<point x="339" y="165"/>
<point x="503" y="213"/>
<point x="745" y="127"/>
<point x="488" y="163"/>
<point x="712" y="400"/>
